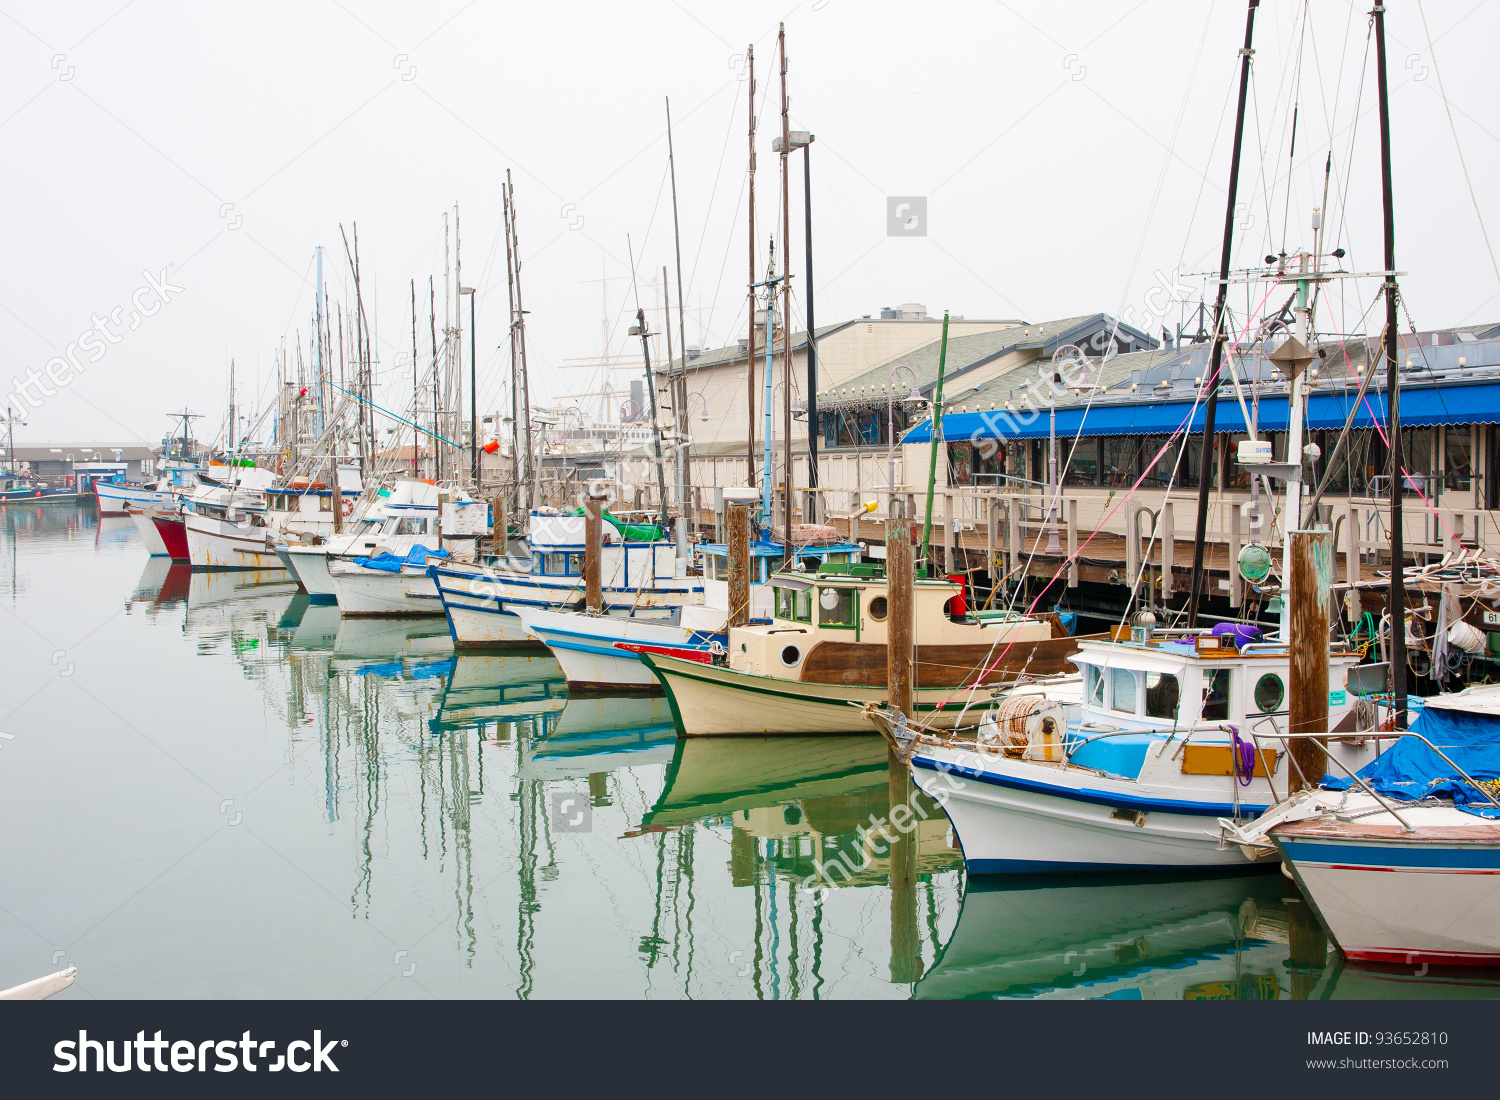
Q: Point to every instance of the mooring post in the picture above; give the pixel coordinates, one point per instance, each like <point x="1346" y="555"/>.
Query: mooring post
<point x="1311" y="574"/>
<point x="1073" y="542"/>
<point x="898" y="584"/>
<point x="498" y="530"/>
<point x="739" y="562"/>
<point x="593" y="552"/>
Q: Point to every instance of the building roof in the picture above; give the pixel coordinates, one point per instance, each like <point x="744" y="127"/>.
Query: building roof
<point x="59" y="452"/>
<point x="968" y="353"/>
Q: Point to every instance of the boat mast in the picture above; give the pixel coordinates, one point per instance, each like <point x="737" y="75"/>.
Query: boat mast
<point x="750" y="345"/>
<point x="937" y="443"/>
<point x="416" y="404"/>
<point x="515" y="366"/>
<point x="1217" y="358"/>
<point x="766" y="478"/>
<point x="786" y="297"/>
<point x="684" y="463"/>
<point x="1393" y="390"/>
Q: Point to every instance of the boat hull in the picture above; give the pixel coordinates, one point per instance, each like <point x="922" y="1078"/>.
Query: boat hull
<point x="173" y="534"/>
<point x="481" y="608"/>
<point x="310" y="566"/>
<point x="218" y="544"/>
<point x="149" y="534"/>
<point x="364" y="591"/>
<point x="602" y="653"/>
<point x="1423" y="898"/>
<point x="714" y="701"/>
<point x="115" y="499"/>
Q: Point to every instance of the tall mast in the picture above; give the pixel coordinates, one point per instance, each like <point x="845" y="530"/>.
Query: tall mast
<point x="515" y="365"/>
<point x="1217" y="358"/>
<point x="515" y="246"/>
<point x="679" y="421"/>
<point x="1393" y="389"/>
<point x="750" y="346"/>
<point x="437" y="432"/>
<point x="231" y="406"/>
<point x="684" y="465"/>
<point x="318" y="317"/>
<point x="767" y="480"/>
<point x="416" y="435"/>
<point x="786" y="299"/>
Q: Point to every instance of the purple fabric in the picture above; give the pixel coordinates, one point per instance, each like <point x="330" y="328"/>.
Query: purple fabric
<point x="1242" y="632"/>
<point x="1244" y="758"/>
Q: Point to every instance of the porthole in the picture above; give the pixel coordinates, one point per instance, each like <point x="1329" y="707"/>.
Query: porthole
<point x="1269" y="692"/>
<point x="790" y="656"/>
<point x="877" y="609"/>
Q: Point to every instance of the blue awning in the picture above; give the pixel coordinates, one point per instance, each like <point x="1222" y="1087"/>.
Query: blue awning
<point x="1473" y="403"/>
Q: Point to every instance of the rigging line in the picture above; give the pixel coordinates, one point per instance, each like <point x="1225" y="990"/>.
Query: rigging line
<point x="1291" y="152"/>
<point x="1456" y="146"/>
<point x="1203" y="176"/>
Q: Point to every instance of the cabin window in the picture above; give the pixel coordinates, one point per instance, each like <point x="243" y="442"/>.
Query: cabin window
<point x="1216" y="695"/>
<point x="837" y="607"/>
<point x="412" y="527"/>
<point x="878" y="609"/>
<point x="557" y="564"/>
<point x="804" y="606"/>
<point x="325" y="504"/>
<point x="575" y="564"/>
<point x="1122" y="690"/>
<point x="786" y="603"/>
<point x="1269" y="692"/>
<point x="1163" y="691"/>
<point x="1093" y="686"/>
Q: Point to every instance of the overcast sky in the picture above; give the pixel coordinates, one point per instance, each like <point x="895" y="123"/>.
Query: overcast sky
<point x="1070" y="156"/>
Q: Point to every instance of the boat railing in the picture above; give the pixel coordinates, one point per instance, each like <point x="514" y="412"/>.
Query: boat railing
<point x="1284" y="738"/>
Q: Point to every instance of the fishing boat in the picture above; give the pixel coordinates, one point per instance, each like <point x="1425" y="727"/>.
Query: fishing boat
<point x="155" y="545"/>
<point x="116" y="498"/>
<point x="171" y="530"/>
<point x="639" y="579"/>
<point x="396" y="521"/>
<point x="1401" y="862"/>
<point x="225" y="522"/>
<point x="825" y="649"/>
<point x="387" y="584"/>
<point x="1174" y="732"/>
<point x="16" y="487"/>
<point x="602" y="652"/>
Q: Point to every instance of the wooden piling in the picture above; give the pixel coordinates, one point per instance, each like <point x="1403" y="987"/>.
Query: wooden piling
<point x="498" y="529"/>
<point x="739" y="563"/>
<point x="1311" y="577"/>
<point x="593" y="542"/>
<point x="1236" y="582"/>
<point x="898" y="583"/>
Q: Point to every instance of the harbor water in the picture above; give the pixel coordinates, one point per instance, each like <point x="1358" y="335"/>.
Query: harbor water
<point x="211" y="787"/>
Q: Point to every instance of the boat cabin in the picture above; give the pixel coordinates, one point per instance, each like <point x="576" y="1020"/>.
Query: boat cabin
<point x="558" y="543"/>
<point x="847" y="602"/>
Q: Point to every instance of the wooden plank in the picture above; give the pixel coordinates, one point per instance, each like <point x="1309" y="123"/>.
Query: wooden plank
<point x="1219" y="760"/>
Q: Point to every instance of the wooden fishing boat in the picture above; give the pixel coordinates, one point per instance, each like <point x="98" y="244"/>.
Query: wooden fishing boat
<point x="825" y="649"/>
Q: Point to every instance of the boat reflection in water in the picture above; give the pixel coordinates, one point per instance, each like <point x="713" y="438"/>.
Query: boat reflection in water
<point x="598" y="734"/>
<point x="1137" y="937"/>
<point x="487" y="689"/>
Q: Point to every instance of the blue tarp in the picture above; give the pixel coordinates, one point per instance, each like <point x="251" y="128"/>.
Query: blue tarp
<point x="390" y="563"/>
<point x="1410" y="770"/>
<point x="1472" y="403"/>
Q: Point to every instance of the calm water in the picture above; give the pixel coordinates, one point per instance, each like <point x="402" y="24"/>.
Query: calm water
<point x="211" y="788"/>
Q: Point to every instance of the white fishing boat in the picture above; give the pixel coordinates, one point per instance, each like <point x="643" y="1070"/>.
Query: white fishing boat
<point x="1172" y="734"/>
<point x="639" y="580"/>
<point x="602" y="652"/>
<point x="1402" y="864"/>
<point x="399" y="519"/>
<point x="386" y="585"/>
<point x="150" y="536"/>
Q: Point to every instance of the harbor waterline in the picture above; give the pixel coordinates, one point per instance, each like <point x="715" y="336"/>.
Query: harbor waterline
<point x="223" y="790"/>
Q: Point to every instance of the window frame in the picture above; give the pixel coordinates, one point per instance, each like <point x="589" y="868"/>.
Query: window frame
<point x="853" y="617"/>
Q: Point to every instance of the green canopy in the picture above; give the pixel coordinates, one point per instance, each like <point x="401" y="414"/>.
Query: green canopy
<point x="634" y="532"/>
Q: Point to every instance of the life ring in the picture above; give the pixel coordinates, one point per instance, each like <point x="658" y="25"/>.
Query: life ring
<point x="348" y="506"/>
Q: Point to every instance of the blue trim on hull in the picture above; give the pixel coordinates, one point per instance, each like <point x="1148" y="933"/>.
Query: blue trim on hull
<point x="1052" y="867"/>
<point x="1096" y="797"/>
<point x="1399" y="856"/>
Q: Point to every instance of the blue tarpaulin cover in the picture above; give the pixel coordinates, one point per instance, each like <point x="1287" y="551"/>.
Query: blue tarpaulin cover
<point x="1410" y="770"/>
<point x="391" y="563"/>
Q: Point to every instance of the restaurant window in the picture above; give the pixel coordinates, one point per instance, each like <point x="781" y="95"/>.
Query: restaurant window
<point x="989" y="463"/>
<point x="869" y="428"/>
<point x="1122" y="690"/>
<point x="1082" y="458"/>
<point x="960" y="464"/>
<point x="1458" y="467"/>
<point x="1117" y="462"/>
